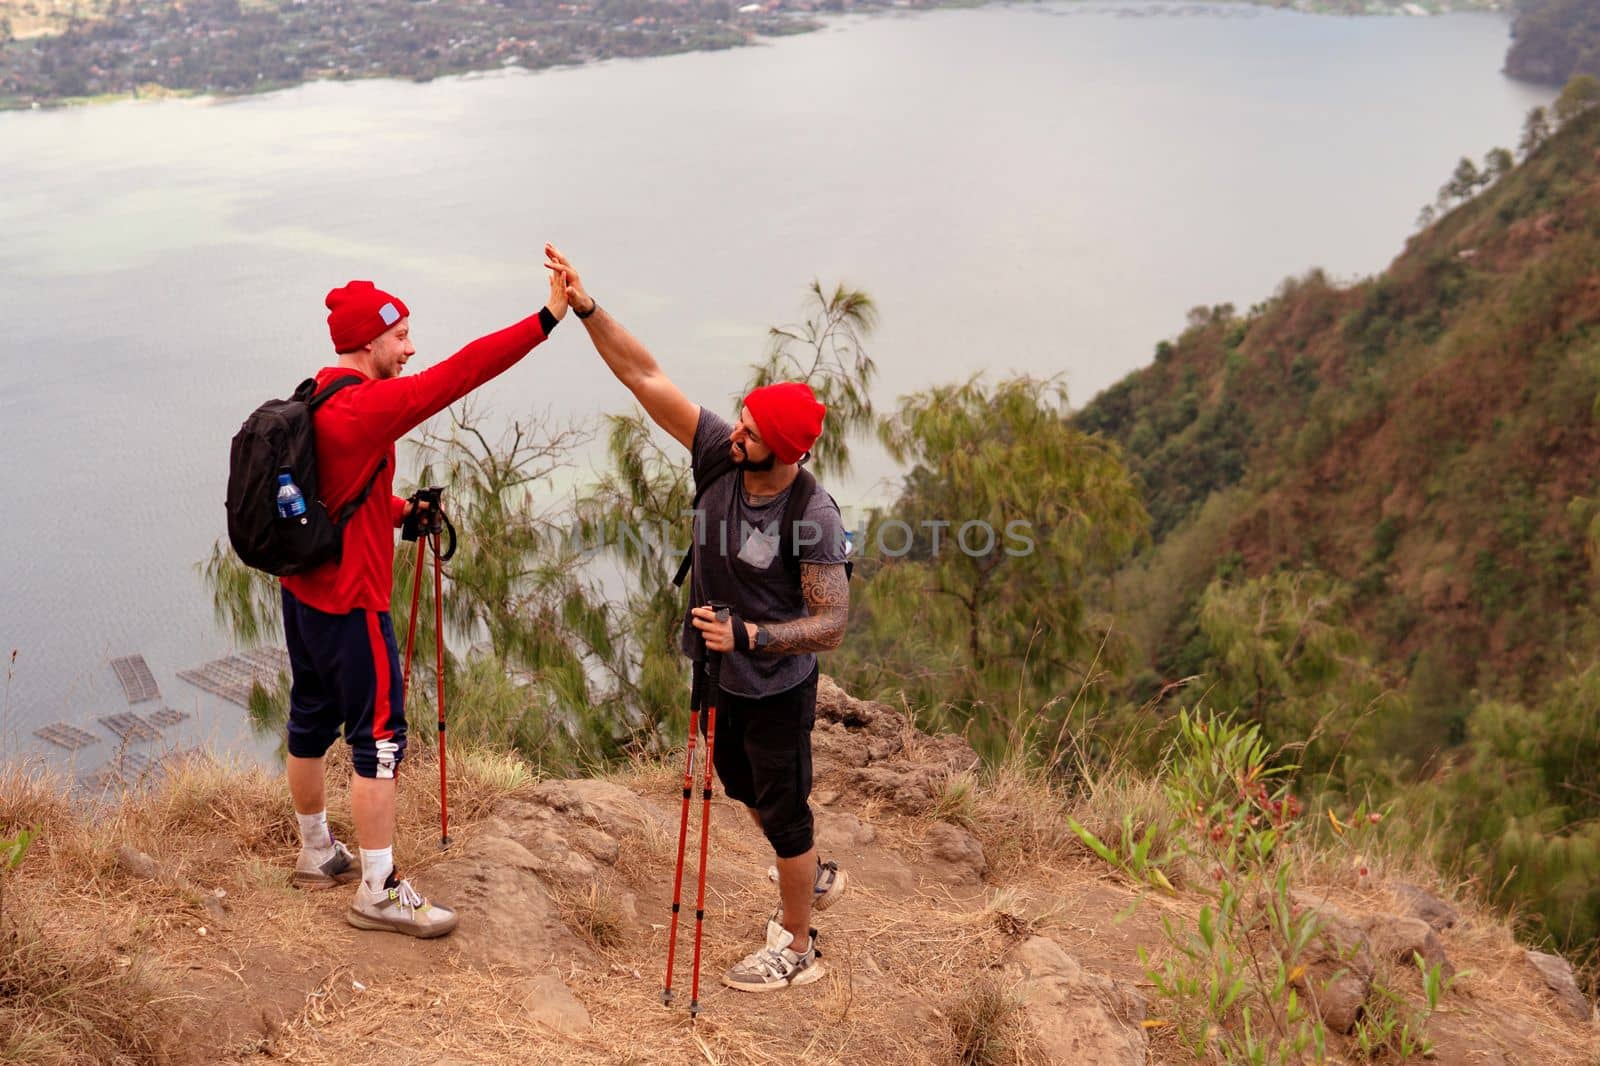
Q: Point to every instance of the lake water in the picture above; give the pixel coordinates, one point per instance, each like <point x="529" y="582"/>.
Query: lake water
<point x="1039" y="188"/>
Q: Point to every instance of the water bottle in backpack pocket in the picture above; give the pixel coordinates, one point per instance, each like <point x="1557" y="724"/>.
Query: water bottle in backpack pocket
<point x="291" y="501"/>
<point x="276" y="519"/>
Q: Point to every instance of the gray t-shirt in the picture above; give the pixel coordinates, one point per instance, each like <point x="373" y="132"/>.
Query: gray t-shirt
<point x="736" y="561"/>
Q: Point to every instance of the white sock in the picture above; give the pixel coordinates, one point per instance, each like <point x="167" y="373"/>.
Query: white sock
<point x="314" y="834"/>
<point x="376" y="866"/>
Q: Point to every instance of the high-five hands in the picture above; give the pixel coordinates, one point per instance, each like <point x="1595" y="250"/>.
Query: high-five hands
<point x="560" y="266"/>
<point x="558" y="294"/>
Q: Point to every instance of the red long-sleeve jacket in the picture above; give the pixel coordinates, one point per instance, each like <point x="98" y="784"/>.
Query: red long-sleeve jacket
<point x="357" y="428"/>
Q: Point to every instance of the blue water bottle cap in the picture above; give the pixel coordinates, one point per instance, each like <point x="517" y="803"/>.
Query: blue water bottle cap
<point x="284" y="478"/>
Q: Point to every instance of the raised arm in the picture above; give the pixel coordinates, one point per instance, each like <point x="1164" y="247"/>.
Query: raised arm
<point x="629" y="360"/>
<point x="392" y="407"/>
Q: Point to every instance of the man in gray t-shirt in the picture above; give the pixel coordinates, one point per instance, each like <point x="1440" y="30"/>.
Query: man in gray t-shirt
<point x="783" y="611"/>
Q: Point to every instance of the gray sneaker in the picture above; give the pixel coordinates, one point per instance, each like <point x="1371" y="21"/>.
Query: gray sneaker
<point x="827" y="888"/>
<point x="776" y="966"/>
<point x="399" y="908"/>
<point x="325" y="867"/>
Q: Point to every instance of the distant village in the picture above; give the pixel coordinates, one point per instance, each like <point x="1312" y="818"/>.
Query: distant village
<point x="54" y="52"/>
<point x="149" y="47"/>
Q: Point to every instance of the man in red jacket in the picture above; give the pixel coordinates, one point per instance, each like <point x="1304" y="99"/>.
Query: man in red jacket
<point x="346" y="669"/>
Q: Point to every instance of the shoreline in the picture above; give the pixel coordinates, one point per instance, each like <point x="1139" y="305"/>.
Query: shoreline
<point x="790" y="25"/>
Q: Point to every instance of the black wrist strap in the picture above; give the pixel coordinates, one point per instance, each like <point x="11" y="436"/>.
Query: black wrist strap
<point x="741" y="635"/>
<point x="594" y="305"/>
<point x="547" y="320"/>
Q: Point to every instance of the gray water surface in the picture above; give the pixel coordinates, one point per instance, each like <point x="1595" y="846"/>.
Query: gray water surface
<point x="1038" y="188"/>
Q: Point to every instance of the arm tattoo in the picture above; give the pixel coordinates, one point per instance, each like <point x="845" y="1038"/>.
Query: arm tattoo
<point x="827" y="594"/>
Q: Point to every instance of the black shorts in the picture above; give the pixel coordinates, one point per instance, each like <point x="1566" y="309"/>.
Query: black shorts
<point x="763" y="758"/>
<point x="345" y="676"/>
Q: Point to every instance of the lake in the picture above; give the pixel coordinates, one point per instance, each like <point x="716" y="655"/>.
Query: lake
<point x="1043" y="188"/>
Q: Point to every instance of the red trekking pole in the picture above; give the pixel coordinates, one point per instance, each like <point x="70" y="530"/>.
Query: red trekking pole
<point x="683" y="836"/>
<point x="713" y="663"/>
<point x="424" y="525"/>
<point x="713" y="668"/>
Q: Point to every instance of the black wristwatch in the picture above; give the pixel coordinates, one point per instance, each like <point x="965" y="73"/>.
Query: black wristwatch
<point x="763" y="638"/>
<point x="594" y="305"/>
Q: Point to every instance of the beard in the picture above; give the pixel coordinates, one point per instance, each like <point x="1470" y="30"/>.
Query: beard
<point x="743" y="461"/>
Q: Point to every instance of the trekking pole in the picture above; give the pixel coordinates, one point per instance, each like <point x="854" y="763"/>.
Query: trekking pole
<point x="713" y="670"/>
<point x="411" y="628"/>
<point x="438" y="633"/>
<point x="425" y="525"/>
<point x="683" y="836"/>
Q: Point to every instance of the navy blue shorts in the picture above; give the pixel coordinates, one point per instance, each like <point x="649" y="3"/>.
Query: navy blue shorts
<point x="346" y="676"/>
<point x="763" y="758"/>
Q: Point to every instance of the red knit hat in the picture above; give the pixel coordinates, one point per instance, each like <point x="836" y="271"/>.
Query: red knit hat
<point x="788" y="417"/>
<point x="359" y="313"/>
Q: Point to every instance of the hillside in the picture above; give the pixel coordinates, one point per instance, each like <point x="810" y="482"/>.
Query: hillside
<point x="978" y="928"/>
<point x="1552" y="40"/>
<point x="1426" y="436"/>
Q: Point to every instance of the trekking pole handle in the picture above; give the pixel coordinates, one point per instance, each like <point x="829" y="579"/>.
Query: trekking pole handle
<point x="722" y="612"/>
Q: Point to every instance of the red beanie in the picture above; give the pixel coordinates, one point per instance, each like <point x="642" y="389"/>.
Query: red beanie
<point x="359" y="313"/>
<point x="788" y="417"/>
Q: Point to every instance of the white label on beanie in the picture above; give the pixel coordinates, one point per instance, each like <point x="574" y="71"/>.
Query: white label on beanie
<point x="389" y="315"/>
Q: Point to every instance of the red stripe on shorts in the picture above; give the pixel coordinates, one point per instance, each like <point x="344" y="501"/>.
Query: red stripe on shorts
<point x="380" y="670"/>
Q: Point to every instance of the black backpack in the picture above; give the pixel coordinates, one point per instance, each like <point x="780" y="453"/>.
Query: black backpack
<point x="279" y="436"/>
<point x="794" y="510"/>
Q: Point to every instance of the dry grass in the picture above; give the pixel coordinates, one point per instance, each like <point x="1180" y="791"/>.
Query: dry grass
<point x="912" y="974"/>
<point x="597" y="914"/>
<point x="67" y="997"/>
<point x="984" y="1025"/>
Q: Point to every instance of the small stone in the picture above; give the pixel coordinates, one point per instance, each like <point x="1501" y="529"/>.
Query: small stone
<point x="1402" y="939"/>
<point x="1557" y="974"/>
<point x="1420" y="903"/>
<point x="957" y="852"/>
<point x="552" y="1004"/>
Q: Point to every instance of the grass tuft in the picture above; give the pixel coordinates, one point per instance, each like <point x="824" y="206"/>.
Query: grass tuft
<point x="985" y="1025"/>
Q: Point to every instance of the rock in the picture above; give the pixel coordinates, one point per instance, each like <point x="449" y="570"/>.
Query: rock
<point x="1420" y="903"/>
<point x="835" y="706"/>
<point x="1401" y="939"/>
<point x="1557" y="974"/>
<point x="957" y="853"/>
<point x="951" y="752"/>
<point x="137" y="864"/>
<point x="1077" y="1017"/>
<point x="910" y="788"/>
<point x="508" y="916"/>
<point x="551" y="1003"/>
<point x="843" y="829"/>
<point x="1339" y="966"/>
<point x="609" y="807"/>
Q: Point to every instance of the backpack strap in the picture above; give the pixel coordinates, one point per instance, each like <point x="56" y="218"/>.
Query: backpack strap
<point x="317" y="399"/>
<point x="793" y="513"/>
<point x="308" y="395"/>
<point x="719" y="468"/>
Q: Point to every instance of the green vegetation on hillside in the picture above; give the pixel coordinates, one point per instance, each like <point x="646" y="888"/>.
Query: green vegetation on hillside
<point x="1554" y="39"/>
<point x="1374" y="517"/>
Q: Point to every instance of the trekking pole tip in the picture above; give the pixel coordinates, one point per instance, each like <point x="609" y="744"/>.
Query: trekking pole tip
<point x="666" y="997"/>
<point x="694" y="1009"/>
<point x="445" y="842"/>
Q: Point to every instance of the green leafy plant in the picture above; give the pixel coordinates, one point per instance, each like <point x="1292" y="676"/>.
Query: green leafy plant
<point x="12" y="849"/>
<point x="1234" y="977"/>
<point x="1133" y="853"/>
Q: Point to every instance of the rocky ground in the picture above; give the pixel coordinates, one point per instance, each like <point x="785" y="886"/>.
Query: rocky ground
<point x="974" y="929"/>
